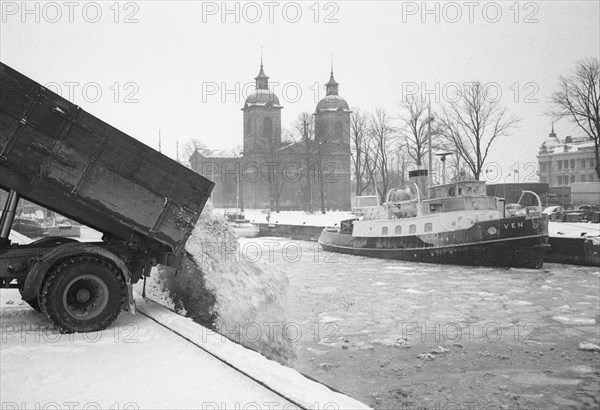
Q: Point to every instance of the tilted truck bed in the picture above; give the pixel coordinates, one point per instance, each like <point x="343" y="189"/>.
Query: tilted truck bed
<point x="57" y="155"/>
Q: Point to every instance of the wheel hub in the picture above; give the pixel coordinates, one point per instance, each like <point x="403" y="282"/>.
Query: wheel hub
<point x="85" y="297"/>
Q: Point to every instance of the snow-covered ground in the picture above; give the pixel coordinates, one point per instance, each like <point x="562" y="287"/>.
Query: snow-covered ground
<point x="87" y="235"/>
<point x="155" y="359"/>
<point x="16" y="237"/>
<point x="296" y="217"/>
<point x="573" y="229"/>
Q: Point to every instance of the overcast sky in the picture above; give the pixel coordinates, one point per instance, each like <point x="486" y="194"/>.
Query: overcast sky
<point x="177" y="65"/>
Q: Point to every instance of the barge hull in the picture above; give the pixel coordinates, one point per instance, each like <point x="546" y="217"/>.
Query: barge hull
<point x="518" y="253"/>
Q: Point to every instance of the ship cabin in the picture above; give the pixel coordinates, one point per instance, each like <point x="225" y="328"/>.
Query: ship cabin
<point x="457" y="189"/>
<point x="461" y="196"/>
<point x="452" y="197"/>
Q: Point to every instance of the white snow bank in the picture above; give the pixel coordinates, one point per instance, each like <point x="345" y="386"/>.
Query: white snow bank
<point x="572" y="229"/>
<point x="296" y="217"/>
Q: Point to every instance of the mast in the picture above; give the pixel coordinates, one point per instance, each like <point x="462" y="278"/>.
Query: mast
<point x="430" y="171"/>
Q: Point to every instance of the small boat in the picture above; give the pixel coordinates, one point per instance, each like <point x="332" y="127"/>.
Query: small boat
<point x="57" y="225"/>
<point x="457" y="223"/>
<point x="240" y="225"/>
<point x="29" y="227"/>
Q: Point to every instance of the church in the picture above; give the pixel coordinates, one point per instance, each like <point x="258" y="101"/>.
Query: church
<point x="309" y="174"/>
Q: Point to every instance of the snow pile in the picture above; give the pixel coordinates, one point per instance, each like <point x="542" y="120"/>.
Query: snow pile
<point x="240" y="297"/>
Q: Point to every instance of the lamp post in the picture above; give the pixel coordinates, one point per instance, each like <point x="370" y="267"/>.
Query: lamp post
<point x="514" y="173"/>
<point x="568" y="184"/>
<point x="442" y="156"/>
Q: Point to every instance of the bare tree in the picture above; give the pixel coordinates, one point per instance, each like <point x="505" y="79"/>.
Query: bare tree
<point x="315" y="147"/>
<point x="192" y="145"/>
<point x="371" y="159"/>
<point x="398" y="166"/>
<point x="320" y="146"/>
<point x="303" y="134"/>
<point x="473" y="123"/>
<point x="359" y="147"/>
<point x="578" y="99"/>
<point x="456" y="170"/>
<point x="417" y="125"/>
<point x="382" y="133"/>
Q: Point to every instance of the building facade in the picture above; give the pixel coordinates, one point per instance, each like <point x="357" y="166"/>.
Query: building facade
<point x="284" y="176"/>
<point x="565" y="162"/>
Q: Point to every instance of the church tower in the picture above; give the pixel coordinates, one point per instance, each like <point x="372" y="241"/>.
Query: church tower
<point x="332" y="116"/>
<point x="262" y="140"/>
<point x="262" y="117"/>
<point x="332" y="130"/>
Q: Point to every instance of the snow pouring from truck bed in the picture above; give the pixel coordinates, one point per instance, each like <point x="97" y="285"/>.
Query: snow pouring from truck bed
<point x="234" y="291"/>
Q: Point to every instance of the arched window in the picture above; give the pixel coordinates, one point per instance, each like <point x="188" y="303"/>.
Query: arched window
<point x="267" y="129"/>
<point x="398" y="230"/>
<point x="428" y="227"/>
<point x="384" y="230"/>
<point x="412" y="228"/>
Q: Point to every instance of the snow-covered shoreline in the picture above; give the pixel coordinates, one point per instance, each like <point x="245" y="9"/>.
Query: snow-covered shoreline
<point x="332" y="218"/>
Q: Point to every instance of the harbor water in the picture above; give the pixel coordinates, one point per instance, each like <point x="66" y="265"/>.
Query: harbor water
<point x="394" y="334"/>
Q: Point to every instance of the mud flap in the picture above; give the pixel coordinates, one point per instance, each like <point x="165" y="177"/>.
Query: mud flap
<point x="130" y="300"/>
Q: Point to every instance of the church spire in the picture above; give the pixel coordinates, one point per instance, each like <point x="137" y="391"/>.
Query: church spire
<point x="331" y="86"/>
<point x="332" y="65"/>
<point x="262" y="80"/>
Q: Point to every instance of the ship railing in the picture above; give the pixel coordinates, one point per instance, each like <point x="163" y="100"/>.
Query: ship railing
<point x="531" y="211"/>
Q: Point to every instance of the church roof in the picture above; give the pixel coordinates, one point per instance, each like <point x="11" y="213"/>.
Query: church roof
<point x="331" y="83"/>
<point x="262" y="80"/>
<point x="333" y="103"/>
<point x="261" y="97"/>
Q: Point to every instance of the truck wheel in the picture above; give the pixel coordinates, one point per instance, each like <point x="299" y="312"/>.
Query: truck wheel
<point x="83" y="294"/>
<point x="34" y="303"/>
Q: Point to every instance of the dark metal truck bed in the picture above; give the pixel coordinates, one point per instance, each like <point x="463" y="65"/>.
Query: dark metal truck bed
<point x="57" y="155"/>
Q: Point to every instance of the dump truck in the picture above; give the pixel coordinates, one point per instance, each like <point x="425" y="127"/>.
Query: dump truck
<point x="58" y="156"/>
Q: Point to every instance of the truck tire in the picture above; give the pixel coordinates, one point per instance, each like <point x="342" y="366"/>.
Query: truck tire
<point x="83" y="294"/>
